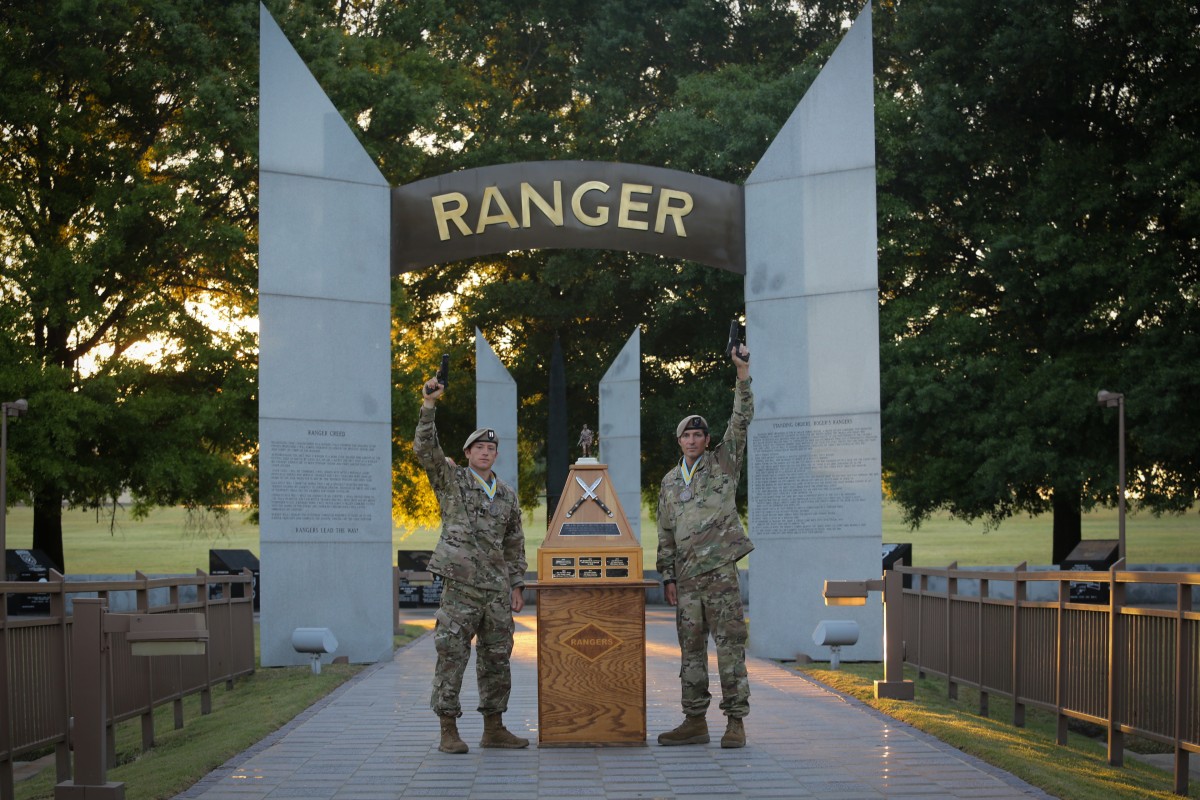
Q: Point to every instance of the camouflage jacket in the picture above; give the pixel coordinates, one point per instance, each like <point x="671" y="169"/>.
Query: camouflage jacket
<point x="704" y="532"/>
<point x="482" y="543"/>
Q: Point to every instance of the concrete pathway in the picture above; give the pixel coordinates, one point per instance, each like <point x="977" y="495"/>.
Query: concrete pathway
<point x="376" y="739"/>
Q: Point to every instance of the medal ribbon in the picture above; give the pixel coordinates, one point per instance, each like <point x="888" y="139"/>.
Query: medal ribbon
<point x="686" y="471"/>
<point x="489" y="488"/>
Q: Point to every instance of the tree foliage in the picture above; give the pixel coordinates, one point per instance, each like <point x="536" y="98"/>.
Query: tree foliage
<point x="1038" y="243"/>
<point x="693" y="85"/>
<point x="127" y="203"/>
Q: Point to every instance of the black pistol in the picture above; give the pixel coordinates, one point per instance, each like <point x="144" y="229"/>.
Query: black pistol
<point x="443" y="373"/>
<point x="734" y="341"/>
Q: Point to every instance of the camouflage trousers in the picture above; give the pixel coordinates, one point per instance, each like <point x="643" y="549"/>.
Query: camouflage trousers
<point x="468" y="612"/>
<point x="712" y="603"/>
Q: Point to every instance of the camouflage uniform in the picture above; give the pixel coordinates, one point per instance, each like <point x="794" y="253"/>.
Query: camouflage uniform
<point x="700" y="540"/>
<point x="481" y="558"/>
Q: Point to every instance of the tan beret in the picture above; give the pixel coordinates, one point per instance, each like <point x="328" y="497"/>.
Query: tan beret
<point x="694" y="422"/>
<point x="482" y="435"/>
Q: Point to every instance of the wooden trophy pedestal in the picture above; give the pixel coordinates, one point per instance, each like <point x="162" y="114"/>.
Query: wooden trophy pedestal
<point x="591" y="613"/>
<point x="592" y="665"/>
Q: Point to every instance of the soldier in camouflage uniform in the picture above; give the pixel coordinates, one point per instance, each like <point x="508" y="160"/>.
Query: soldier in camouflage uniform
<point x="481" y="559"/>
<point x="700" y="539"/>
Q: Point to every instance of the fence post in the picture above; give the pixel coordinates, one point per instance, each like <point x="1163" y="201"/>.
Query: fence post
<point x="1184" y="684"/>
<point x="177" y="662"/>
<point x="6" y="736"/>
<point x="920" y="648"/>
<point x="228" y="609"/>
<point x="1116" y="666"/>
<point x="984" y="585"/>
<point x="147" y="715"/>
<point x="1060" y="677"/>
<point x="1019" y="588"/>
<point x="89" y="682"/>
<point x="225" y="607"/>
<point x="202" y="597"/>
<point x="893" y="686"/>
<point x="947" y="634"/>
<point x="58" y="610"/>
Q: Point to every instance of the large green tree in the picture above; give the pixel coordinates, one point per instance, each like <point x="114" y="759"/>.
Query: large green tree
<point x="127" y="207"/>
<point x="1039" y="228"/>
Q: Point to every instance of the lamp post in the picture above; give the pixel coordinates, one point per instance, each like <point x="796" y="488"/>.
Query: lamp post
<point x="14" y="409"/>
<point x="1116" y="400"/>
<point x="854" y="593"/>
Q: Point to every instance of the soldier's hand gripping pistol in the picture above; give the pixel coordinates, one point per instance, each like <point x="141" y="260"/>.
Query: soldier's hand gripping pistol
<point x="735" y="343"/>
<point x="443" y="373"/>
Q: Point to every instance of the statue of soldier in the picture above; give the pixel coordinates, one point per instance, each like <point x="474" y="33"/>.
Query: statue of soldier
<point x="481" y="559"/>
<point x="700" y="539"/>
<point x="586" y="437"/>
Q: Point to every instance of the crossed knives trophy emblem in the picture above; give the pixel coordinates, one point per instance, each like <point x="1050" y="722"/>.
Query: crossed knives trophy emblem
<point x="589" y="493"/>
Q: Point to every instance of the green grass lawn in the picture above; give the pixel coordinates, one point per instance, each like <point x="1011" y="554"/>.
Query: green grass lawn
<point x="168" y="541"/>
<point x="1077" y="771"/>
<point x="1168" y="539"/>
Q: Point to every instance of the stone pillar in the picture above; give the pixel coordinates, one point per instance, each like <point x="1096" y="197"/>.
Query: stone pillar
<point x="324" y="370"/>
<point x="621" y="428"/>
<point x="495" y="408"/>
<point x="812" y="320"/>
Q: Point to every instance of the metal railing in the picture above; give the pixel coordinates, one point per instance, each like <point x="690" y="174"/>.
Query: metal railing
<point x="1131" y="669"/>
<point x="35" y="660"/>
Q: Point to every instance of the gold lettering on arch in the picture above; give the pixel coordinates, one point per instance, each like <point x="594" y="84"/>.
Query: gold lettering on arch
<point x="601" y="216"/>
<point x="492" y="196"/>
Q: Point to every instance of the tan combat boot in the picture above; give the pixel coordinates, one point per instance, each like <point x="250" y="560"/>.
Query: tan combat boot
<point x="735" y="734"/>
<point x="451" y="743"/>
<point x="694" y="730"/>
<point x="496" y="735"/>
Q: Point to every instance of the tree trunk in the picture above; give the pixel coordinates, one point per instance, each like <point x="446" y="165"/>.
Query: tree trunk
<point x="1068" y="523"/>
<point x="47" y="528"/>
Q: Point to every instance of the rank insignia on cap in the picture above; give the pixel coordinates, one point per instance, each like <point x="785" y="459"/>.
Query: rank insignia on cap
<point x="481" y="435"/>
<point x="693" y="423"/>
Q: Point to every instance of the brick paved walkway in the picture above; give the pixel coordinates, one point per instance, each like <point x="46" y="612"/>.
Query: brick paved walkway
<point x="376" y="739"/>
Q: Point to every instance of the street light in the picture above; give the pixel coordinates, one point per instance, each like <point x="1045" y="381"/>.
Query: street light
<point x="14" y="409"/>
<point x="1116" y="400"/>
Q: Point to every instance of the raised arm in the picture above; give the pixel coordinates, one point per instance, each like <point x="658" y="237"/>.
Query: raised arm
<point x="425" y="440"/>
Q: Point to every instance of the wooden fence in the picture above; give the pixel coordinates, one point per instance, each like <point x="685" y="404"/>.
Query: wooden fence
<point x="1133" y="670"/>
<point x="35" y="659"/>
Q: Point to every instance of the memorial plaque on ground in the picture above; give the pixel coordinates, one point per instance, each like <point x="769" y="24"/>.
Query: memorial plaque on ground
<point x="232" y="562"/>
<point x="1091" y="555"/>
<point x="27" y="565"/>
<point x="418" y="586"/>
